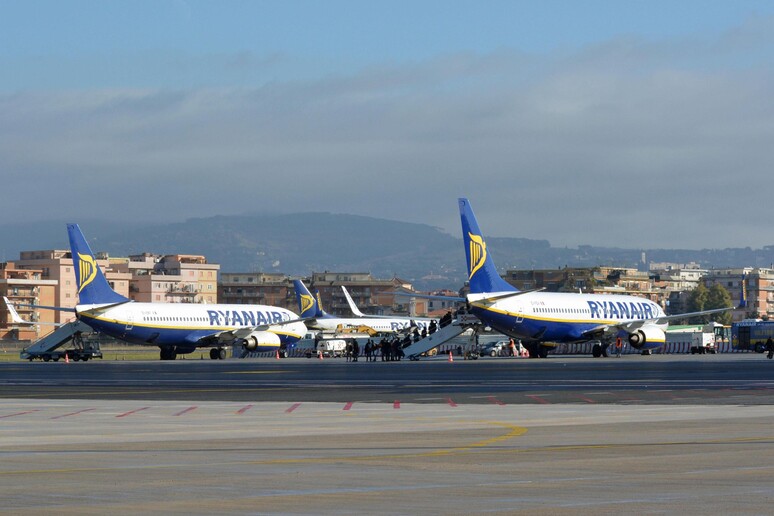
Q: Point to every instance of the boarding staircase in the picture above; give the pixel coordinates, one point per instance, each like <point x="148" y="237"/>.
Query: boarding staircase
<point x="458" y="325"/>
<point x="55" y="339"/>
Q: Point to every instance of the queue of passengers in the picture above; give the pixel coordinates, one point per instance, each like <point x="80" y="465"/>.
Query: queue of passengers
<point x="390" y="349"/>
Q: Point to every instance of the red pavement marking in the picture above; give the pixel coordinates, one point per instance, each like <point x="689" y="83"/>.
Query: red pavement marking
<point x="73" y="413"/>
<point x="347" y="406"/>
<point x="132" y="412"/>
<point x="244" y="409"/>
<point x="537" y="398"/>
<point x="587" y="400"/>
<point x="189" y="409"/>
<point x="293" y="407"/>
<point x="396" y="404"/>
<point x="451" y="402"/>
<point x="495" y="400"/>
<point x="19" y="413"/>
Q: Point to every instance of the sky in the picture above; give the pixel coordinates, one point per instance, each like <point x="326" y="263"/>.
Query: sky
<point x="611" y="123"/>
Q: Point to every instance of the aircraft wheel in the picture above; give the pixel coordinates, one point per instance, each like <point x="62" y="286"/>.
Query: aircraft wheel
<point x="596" y="351"/>
<point x="222" y="353"/>
<point x="214" y="354"/>
<point x="46" y="358"/>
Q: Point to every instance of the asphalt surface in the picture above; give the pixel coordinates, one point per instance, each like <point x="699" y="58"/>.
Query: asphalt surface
<point x="565" y="435"/>
<point x="631" y="379"/>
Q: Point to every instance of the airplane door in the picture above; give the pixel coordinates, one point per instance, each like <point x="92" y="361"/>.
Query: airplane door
<point x="519" y="315"/>
<point x="129" y="321"/>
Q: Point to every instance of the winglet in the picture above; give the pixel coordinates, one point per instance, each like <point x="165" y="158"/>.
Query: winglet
<point x="351" y="302"/>
<point x="15" y="317"/>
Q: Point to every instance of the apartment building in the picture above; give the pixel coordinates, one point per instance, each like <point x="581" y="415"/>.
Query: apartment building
<point x="57" y="265"/>
<point x="752" y="287"/>
<point x="26" y="287"/>
<point x="257" y="288"/>
<point x="174" y="278"/>
<point x="371" y="295"/>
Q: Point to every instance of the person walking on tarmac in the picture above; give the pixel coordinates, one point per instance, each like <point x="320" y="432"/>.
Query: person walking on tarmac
<point x="618" y="347"/>
<point x="770" y="347"/>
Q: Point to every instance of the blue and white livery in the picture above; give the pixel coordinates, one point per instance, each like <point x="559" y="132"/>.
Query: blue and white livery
<point x="317" y="319"/>
<point x="538" y="317"/>
<point x="176" y="328"/>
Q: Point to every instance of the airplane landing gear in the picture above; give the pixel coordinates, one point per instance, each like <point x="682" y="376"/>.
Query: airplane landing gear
<point x="168" y="353"/>
<point x="600" y="350"/>
<point x="218" y="353"/>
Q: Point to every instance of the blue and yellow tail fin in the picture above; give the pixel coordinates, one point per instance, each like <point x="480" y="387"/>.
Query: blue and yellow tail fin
<point x="308" y="305"/>
<point x="93" y="288"/>
<point x="482" y="273"/>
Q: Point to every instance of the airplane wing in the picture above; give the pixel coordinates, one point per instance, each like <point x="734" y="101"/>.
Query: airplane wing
<point x="17" y="319"/>
<point x="631" y="326"/>
<point x="423" y="296"/>
<point x="244" y="332"/>
<point x="212" y="338"/>
<point x="44" y="307"/>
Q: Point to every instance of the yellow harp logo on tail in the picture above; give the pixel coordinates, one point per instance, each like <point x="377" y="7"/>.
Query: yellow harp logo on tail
<point x="477" y="253"/>
<point x="87" y="268"/>
<point x="307" y="302"/>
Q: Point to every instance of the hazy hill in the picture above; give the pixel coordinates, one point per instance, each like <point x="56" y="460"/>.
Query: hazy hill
<point x="299" y="244"/>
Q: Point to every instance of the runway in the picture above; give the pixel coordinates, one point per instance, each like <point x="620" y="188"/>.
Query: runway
<point x="562" y="435"/>
<point x="661" y="379"/>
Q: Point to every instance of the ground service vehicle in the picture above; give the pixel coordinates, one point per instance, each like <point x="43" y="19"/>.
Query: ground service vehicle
<point x="751" y="335"/>
<point x="82" y="351"/>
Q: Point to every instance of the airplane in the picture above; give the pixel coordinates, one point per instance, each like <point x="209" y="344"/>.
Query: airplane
<point x="538" y="317"/>
<point x="317" y="319"/>
<point x="176" y="328"/>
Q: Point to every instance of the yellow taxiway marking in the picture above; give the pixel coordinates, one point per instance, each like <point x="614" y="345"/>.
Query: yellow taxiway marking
<point x="475" y="447"/>
<point x="514" y="431"/>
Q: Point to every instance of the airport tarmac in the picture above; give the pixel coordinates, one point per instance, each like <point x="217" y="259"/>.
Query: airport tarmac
<point x="686" y="434"/>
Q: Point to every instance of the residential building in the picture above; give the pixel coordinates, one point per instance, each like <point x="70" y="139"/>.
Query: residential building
<point x="751" y="287"/>
<point x="173" y="278"/>
<point x="26" y="287"/>
<point x="372" y="296"/>
<point x="57" y="265"/>
<point x="257" y="288"/>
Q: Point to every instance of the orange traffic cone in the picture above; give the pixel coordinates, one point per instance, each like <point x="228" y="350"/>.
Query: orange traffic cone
<point x="451" y="358"/>
<point x="67" y="357"/>
<point x="319" y="355"/>
<point x="276" y="356"/>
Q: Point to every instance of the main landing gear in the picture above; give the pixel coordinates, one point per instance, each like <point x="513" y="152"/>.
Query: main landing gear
<point x="168" y="353"/>
<point x="600" y="350"/>
<point x="218" y="353"/>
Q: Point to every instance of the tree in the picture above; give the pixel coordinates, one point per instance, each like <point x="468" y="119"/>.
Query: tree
<point x="719" y="297"/>
<point x="702" y="298"/>
<point x="697" y="300"/>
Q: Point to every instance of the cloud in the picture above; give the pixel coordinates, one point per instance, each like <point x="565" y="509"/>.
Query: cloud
<point x="628" y="143"/>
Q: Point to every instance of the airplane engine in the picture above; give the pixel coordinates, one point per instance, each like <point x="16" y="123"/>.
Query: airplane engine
<point x="647" y="337"/>
<point x="261" y="338"/>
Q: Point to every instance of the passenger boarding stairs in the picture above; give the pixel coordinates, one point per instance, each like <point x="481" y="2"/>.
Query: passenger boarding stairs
<point x="55" y="339"/>
<point x="443" y="335"/>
